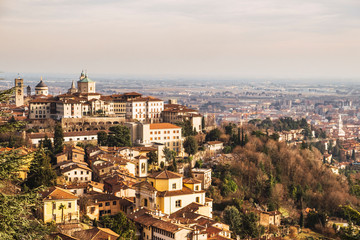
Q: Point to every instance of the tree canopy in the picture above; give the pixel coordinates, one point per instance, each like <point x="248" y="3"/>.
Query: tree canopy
<point x="119" y="136"/>
<point x="58" y="139"/>
<point x="40" y="173"/>
<point x="213" y="135"/>
<point x="190" y="145"/>
<point x="120" y="224"/>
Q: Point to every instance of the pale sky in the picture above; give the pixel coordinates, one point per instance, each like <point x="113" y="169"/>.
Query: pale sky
<point x="238" y="38"/>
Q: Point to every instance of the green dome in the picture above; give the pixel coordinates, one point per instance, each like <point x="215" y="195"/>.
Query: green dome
<point x="86" y="79"/>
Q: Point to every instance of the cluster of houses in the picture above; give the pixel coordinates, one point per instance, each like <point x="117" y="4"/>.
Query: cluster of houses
<point x="109" y="180"/>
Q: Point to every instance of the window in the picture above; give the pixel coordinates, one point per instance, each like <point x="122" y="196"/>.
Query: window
<point x="198" y="199"/>
<point x="69" y="204"/>
<point x="174" y="186"/>
<point x="75" y="172"/>
<point x="107" y="204"/>
<point x="114" y="202"/>
<point x="145" y="202"/>
<point x="178" y="203"/>
<point x="100" y="204"/>
<point x="54" y="206"/>
<point x="82" y="172"/>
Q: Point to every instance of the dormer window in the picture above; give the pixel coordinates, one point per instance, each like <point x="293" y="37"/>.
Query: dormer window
<point x="174" y="186"/>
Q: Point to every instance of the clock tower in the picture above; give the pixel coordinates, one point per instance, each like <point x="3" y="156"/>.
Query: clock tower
<point x="19" y="91"/>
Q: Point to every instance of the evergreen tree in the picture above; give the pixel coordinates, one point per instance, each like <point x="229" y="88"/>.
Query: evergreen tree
<point x="102" y="138"/>
<point x="120" y="224"/>
<point x="153" y="157"/>
<point x="47" y="144"/>
<point x="10" y="163"/>
<point x="58" y="139"/>
<point x="213" y="135"/>
<point x="169" y="154"/>
<point x="16" y="219"/>
<point x="40" y="173"/>
<point x="353" y="156"/>
<point x="190" y="145"/>
<point x="119" y="136"/>
<point x="203" y="123"/>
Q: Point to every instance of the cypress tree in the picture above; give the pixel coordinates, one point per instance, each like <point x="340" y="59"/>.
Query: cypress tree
<point x="40" y="172"/>
<point x="58" y="139"/>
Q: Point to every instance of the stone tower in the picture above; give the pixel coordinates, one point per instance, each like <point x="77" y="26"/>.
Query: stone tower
<point x="85" y="84"/>
<point x="73" y="89"/>
<point x="28" y="91"/>
<point x="19" y="91"/>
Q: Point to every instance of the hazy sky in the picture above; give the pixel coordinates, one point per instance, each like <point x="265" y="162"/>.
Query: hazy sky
<point x="241" y="38"/>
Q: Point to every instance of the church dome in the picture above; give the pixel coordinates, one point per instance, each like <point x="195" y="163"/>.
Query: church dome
<point x="41" y="84"/>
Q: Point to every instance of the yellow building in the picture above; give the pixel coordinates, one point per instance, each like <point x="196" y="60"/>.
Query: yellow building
<point x="60" y="206"/>
<point x="168" y="192"/>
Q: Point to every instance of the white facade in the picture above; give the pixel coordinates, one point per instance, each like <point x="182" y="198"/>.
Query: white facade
<point x="78" y="174"/>
<point x="144" y="109"/>
<point x="68" y="137"/>
<point x="69" y="110"/>
<point x="164" y="133"/>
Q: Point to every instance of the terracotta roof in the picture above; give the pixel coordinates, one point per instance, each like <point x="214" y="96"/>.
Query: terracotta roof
<point x="164" y="175"/>
<point x="96" y="234"/>
<point x="214" y="142"/>
<point x="191" y="181"/>
<point x="188" y="212"/>
<point x="44" y="100"/>
<point x="74" y="166"/>
<point x="218" y="237"/>
<point x="145" y="99"/>
<point x="144" y="218"/>
<point x="167" y="226"/>
<point x="163" y="126"/>
<point x="145" y="184"/>
<point x="132" y="94"/>
<point x="102" y="197"/>
<point x="62" y="236"/>
<point x="56" y="193"/>
<point x="66" y="134"/>
<point x="183" y="191"/>
<point x="74" y="185"/>
<point x="96" y="184"/>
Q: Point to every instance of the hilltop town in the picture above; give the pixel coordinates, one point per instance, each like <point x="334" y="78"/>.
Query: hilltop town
<point x="130" y="166"/>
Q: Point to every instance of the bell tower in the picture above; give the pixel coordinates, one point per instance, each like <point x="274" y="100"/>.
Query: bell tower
<point x="19" y="91"/>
